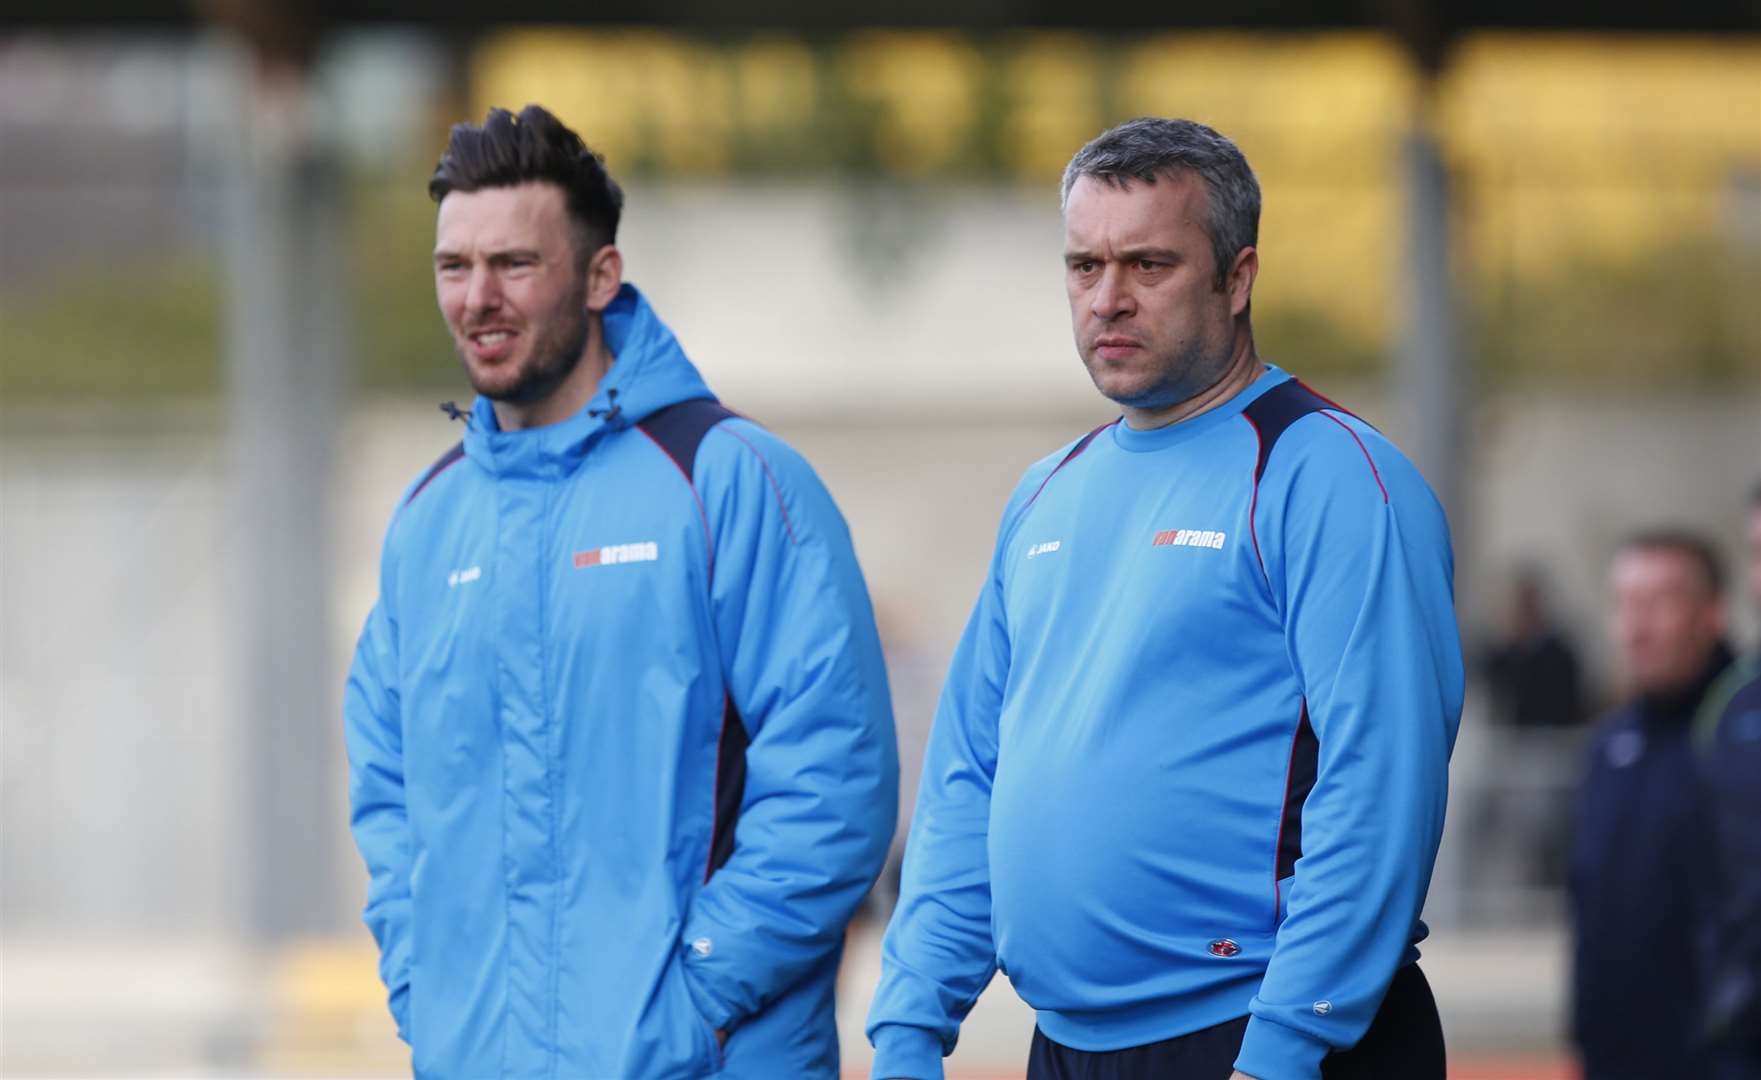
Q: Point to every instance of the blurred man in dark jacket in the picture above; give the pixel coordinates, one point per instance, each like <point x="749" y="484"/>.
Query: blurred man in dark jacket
<point x="1535" y="685"/>
<point x="1731" y="760"/>
<point x="1643" y="857"/>
<point x="1532" y="671"/>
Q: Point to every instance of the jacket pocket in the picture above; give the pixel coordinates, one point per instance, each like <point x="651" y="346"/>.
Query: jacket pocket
<point x="673" y="1041"/>
<point x="712" y="1057"/>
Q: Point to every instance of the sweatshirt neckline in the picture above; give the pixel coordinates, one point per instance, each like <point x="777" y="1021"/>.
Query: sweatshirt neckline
<point x="1142" y="442"/>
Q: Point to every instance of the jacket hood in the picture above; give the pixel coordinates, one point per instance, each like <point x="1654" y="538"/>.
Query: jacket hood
<point x="649" y="371"/>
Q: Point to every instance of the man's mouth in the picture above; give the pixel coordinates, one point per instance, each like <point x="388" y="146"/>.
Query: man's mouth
<point x="491" y="344"/>
<point x="1115" y="347"/>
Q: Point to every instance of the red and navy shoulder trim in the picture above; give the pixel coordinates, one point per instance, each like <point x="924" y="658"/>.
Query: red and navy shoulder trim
<point x="679" y="429"/>
<point x="447" y="461"/>
<point x="1273" y="413"/>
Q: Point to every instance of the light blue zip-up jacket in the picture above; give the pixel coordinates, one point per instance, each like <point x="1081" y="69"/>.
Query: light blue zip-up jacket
<point x="1191" y="760"/>
<point x="622" y="761"/>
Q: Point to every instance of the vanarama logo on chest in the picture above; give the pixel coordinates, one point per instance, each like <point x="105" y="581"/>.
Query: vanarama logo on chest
<point x="643" y="551"/>
<point x="1201" y="538"/>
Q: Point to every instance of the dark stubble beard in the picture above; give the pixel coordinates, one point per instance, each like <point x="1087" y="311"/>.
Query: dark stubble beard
<point x="554" y="357"/>
<point x="1195" y="368"/>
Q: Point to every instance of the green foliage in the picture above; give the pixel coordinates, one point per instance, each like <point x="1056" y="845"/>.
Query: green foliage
<point x="1683" y="314"/>
<point x="114" y="336"/>
<point x="122" y="333"/>
<point x="1304" y="340"/>
<point x="403" y="341"/>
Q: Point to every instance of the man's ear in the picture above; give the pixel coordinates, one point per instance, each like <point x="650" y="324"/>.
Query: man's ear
<point x="605" y="276"/>
<point x="1241" y="278"/>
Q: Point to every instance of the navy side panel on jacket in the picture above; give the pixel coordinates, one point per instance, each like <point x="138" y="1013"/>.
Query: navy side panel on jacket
<point x="730" y="788"/>
<point x="679" y="430"/>
<point x="1305" y="757"/>
<point x="1271" y="415"/>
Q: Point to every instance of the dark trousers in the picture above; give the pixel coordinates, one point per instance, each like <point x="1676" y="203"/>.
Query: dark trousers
<point x="1404" y="1042"/>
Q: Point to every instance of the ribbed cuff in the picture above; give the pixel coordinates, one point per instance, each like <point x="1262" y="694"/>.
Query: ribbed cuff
<point x="903" y="1051"/>
<point x="1271" y="1051"/>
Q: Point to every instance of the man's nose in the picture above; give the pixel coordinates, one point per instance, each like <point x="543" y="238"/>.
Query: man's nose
<point x="1112" y="296"/>
<point x="483" y="294"/>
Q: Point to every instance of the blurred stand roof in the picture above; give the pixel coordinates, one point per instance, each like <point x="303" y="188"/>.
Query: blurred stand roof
<point x="1607" y="181"/>
<point x="289" y="33"/>
<point x="812" y="15"/>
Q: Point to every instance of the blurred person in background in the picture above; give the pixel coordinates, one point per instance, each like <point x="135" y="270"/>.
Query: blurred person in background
<point x="1731" y="761"/>
<point x="1642" y="859"/>
<point x="1532" y="670"/>
<point x="1187" y="777"/>
<point x="1533" y="675"/>
<point x="622" y="758"/>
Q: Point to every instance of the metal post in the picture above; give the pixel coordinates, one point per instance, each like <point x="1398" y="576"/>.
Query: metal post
<point x="286" y="335"/>
<point x="1432" y="393"/>
<point x="1434" y="398"/>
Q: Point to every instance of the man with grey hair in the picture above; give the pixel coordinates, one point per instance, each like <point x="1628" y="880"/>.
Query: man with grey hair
<point x="1187" y="778"/>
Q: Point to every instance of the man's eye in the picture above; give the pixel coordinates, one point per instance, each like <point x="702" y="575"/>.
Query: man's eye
<point x="1084" y="267"/>
<point x="1148" y="264"/>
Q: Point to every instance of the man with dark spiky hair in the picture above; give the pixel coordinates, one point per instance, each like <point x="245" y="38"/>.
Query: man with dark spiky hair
<point x="621" y="754"/>
<point x="1187" y="779"/>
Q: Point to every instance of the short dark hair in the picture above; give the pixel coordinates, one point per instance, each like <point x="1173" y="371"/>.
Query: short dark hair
<point x="1695" y="547"/>
<point x="1150" y="146"/>
<point x="508" y="150"/>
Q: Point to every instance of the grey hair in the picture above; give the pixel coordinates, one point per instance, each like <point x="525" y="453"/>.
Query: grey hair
<point x="1149" y="147"/>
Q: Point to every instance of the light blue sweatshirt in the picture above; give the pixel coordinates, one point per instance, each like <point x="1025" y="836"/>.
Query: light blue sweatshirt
<point x="1192" y="755"/>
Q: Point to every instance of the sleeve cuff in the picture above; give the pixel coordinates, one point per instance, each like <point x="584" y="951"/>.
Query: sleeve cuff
<point x="399" y="1001"/>
<point x="901" y="1050"/>
<point x="1271" y="1051"/>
